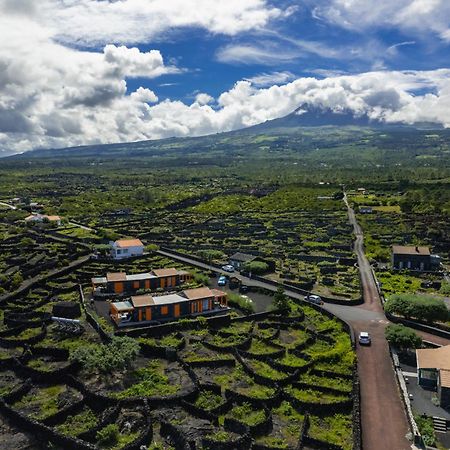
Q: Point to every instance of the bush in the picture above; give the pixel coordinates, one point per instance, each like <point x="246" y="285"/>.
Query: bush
<point x="281" y="301"/>
<point x="118" y="354"/>
<point x="426" y="429"/>
<point x="256" y="267"/>
<point x="402" y="337"/>
<point x="425" y="308"/>
<point x="108" y="436"/>
<point x="241" y="303"/>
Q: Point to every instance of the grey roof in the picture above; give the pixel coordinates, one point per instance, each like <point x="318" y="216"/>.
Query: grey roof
<point x="244" y="257"/>
<point x="169" y="299"/>
<point x="99" y="280"/>
<point x="140" y="276"/>
<point x="123" y="306"/>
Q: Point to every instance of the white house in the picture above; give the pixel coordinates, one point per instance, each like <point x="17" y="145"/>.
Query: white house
<point x="40" y="218"/>
<point x="126" y="248"/>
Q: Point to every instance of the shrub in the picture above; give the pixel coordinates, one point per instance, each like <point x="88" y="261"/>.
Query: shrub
<point x="426" y="429"/>
<point x="425" y="308"/>
<point x="118" y="354"/>
<point x="256" y="267"/>
<point x="240" y="302"/>
<point x="281" y="301"/>
<point x="402" y="337"/>
<point x="108" y="436"/>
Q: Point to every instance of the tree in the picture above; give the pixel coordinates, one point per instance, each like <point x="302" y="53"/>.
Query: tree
<point x="118" y="354"/>
<point x="402" y="337"/>
<point x="281" y="301"/>
<point x="420" y="307"/>
<point x="16" y="280"/>
<point x="256" y="267"/>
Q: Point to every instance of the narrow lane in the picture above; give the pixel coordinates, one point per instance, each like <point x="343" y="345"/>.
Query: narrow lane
<point x="383" y="417"/>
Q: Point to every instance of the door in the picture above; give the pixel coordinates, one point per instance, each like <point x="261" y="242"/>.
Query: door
<point x="176" y="310"/>
<point x="118" y="288"/>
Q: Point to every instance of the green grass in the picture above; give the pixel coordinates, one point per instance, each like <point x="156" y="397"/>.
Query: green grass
<point x="207" y="400"/>
<point x="75" y="425"/>
<point x="263" y="369"/>
<point x="313" y="396"/>
<point x="245" y="413"/>
<point x="335" y="429"/>
<point x="149" y="381"/>
<point x="46" y="400"/>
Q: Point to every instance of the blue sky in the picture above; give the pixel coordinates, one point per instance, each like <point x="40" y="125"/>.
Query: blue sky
<point x="76" y="72"/>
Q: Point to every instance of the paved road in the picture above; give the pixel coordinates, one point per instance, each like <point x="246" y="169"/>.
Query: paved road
<point x="8" y="205"/>
<point x="384" y="422"/>
<point x="383" y="417"/>
<point x="83" y="227"/>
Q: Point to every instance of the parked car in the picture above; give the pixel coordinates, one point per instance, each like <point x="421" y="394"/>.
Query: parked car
<point x="311" y="298"/>
<point x="228" y="268"/>
<point x="364" y="338"/>
<point x="222" y="281"/>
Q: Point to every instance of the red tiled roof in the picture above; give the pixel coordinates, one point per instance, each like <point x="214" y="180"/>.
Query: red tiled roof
<point x="410" y="250"/>
<point x="193" y="294"/>
<point x="118" y="276"/>
<point x="124" y="243"/>
<point x="142" y="300"/>
<point x="434" y="358"/>
<point x="165" y="272"/>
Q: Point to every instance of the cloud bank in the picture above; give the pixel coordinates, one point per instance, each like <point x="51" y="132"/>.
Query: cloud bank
<point x="54" y="93"/>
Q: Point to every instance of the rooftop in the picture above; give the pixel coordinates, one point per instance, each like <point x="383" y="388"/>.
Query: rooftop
<point x="116" y="276"/>
<point x="123" y="306"/>
<point x="244" y="257"/>
<point x="193" y="294"/>
<point x="125" y="243"/>
<point x="444" y="376"/>
<point x="142" y="300"/>
<point x="169" y="299"/>
<point x="410" y="250"/>
<point x="165" y="272"/>
<point x="434" y="358"/>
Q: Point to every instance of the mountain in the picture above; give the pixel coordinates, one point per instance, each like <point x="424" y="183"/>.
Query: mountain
<point x="323" y="120"/>
<point x="312" y="116"/>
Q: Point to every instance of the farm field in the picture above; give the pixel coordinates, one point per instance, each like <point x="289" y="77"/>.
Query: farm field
<point x="271" y="381"/>
<point x="268" y="381"/>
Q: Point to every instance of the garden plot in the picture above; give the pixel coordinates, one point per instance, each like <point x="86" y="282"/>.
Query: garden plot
<point x="309" y="240"/>
<point x="240" y="384"/>
<point x="26" y="254"/>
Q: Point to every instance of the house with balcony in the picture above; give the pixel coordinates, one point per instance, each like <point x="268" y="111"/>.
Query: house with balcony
<point x="120" y="283"/>
<point x="150" y="309"/>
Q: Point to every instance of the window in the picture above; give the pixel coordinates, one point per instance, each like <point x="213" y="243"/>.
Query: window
<point x="164" y="310"/>
<point x="205" y="305"/>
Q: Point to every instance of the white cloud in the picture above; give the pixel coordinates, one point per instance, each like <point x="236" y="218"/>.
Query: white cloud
<point x="93" y="22"/>
<point x="417" y="16"/>
<point x="264" y="53"/>
<point x="54" y="95"/>
<point x="388" y="96"/>
<point x="203" y="99"/>
<point x="268" y="79"/>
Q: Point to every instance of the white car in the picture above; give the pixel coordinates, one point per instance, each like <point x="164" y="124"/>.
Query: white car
<point x="364" y="338"/>
<point x="228" y="268"/>
<point x="313" y="299"/>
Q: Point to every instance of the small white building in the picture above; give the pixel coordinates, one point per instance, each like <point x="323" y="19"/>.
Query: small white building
<point x="40" y="218"/>
<point x="126" y="248"/>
